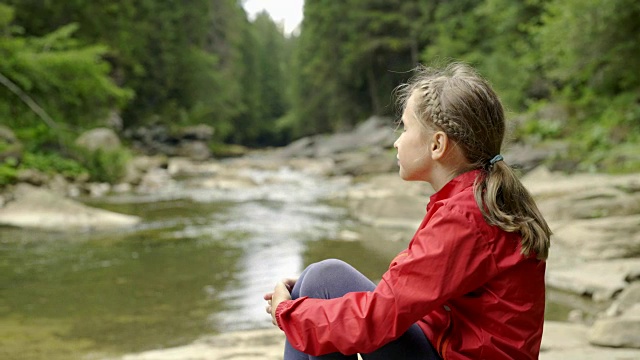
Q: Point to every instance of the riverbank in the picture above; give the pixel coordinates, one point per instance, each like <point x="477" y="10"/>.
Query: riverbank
<point x="595" y="254"/>
<point x="561" y="341"/>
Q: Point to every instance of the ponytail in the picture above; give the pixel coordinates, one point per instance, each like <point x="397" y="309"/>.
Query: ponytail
<point x="458" y="101"/>
<point x="506" y="203"/>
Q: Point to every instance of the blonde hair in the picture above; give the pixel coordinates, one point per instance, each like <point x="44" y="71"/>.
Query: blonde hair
<point x="459" y="102"/>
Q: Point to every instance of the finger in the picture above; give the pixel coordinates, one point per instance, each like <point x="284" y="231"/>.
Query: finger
<point x="268" y="296"/>
<point x="268" y="309"/>
<point x="280" y="287"/>
<point x="290" y="280"/>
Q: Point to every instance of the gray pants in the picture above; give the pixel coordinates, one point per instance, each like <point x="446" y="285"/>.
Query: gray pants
<point x="332" y="278"/>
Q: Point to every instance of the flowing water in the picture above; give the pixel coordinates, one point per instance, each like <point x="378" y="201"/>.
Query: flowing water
<point x="198" y="264"/>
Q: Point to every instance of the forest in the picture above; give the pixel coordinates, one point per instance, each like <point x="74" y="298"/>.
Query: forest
<point x="567" y="70"/>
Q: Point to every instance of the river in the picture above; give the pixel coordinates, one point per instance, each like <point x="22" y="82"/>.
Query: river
<point x="198" y="264"/>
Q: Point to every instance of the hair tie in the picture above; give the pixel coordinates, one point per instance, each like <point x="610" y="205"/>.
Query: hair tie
<point x="496" y="159"/>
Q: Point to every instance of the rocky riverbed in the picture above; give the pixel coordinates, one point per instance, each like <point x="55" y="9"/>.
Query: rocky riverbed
<point x="596" y="222"/>
<point x="595" y="252"/>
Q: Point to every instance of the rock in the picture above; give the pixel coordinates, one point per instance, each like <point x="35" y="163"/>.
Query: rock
<point x="527" y="157"/>
<point x="99" y="139"/>
<point x="619" y="331"/>
<point x="122" y="188"/>
<point x="267" y="344"/>
<point x="560" y="341"/>
<point x="140" y="165"/>
<point x="361" y="163"/>
<point x="386" y="200"/>
<point x="627" y="299"/>
<point x="566" y="341"/>
<point x="195" y="150"/>
<point x="39" y="208"/>
<point x="32" y="176"/>
<point x="201" y="132"/>
<point x="98" y="189"/>
<point x="227" y="183"/>
<point x="600" y="280"/>
<point x="299" y="148"/>
<point x="611" y="237"/>
<point x="154" y="180"/>
<point x="600" y="201"/>
<point x="320" y="167"/>
<point x="180" y="167"/>
<point x="188" y="141"/>
<point x="545" y="185"/>
<point x="620" y="325"/>
<point x="59" y="185"/>
<point x="376" y="132"/>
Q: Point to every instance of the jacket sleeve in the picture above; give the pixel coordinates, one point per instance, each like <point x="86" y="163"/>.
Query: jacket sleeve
<point x="449" y="257"/>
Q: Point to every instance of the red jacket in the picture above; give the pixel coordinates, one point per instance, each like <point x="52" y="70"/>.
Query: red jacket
<point x="463" y="281"/>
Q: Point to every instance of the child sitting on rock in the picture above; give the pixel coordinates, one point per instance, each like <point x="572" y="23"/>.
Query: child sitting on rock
<point x="471" y="283"/>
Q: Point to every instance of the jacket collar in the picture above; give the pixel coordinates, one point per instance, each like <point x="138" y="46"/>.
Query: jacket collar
<point x="455" y="186"/>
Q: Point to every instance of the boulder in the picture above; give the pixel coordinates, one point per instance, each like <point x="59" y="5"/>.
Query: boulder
<point x="619" y="331"/>
<point x="376" y="132"/>
<point x="99" y="139"/>
<point x="34" y="207"/>
<point x="195" y="150"/>
<point x="611" y="237"/>
<point x="200" y="132"/>
<point x="565" y="341"/>
<point x="619" y="326"/>
<point x="599" y="280"/>
<point x="32" y="176"/>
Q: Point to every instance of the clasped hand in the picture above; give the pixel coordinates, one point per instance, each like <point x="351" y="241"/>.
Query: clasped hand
<point x="281" y="293"/>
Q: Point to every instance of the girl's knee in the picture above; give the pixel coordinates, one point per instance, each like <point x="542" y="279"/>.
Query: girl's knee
<point x="332" y="278"/>
<point x="328" y="267"/>
<point x="322" y="278"/>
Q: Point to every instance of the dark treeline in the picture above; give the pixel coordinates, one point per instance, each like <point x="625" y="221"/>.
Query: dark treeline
<point x="177" y="63"/>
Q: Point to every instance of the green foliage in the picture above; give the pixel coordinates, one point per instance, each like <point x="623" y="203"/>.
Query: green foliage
<point x="591" y="44"/>
<point x="349" y="57"/>
<point x="52" y="163"/>
<point x="541" y="129"/>
<point x="8" y="174"/>
<point x="104" y="166"/>
<point x="263" y="83"/>
<point x="205" y="62"/>
<point x="70" y="81"/>
<point x="101" y="166"/>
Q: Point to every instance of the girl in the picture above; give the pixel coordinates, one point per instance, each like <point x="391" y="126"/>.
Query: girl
<point x="470" y="285"/>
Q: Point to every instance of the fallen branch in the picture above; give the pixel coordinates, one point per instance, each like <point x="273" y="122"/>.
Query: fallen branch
<point x="28" y="101"/>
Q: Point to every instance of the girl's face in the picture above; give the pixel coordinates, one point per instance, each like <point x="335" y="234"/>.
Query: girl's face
<point x="413" y="151"/>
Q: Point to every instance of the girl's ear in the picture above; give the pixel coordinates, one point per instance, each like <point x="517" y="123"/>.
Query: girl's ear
<point x="439" y="144"/>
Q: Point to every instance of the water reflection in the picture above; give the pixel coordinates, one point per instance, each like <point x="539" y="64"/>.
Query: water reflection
<point x="198" y="264"/>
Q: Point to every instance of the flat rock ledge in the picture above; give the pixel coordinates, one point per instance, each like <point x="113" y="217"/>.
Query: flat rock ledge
<point x="561" y="341"/>
<point x="38" y="208"/>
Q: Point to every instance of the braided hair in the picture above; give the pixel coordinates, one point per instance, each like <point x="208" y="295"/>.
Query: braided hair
<point x="459" y="102"/>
